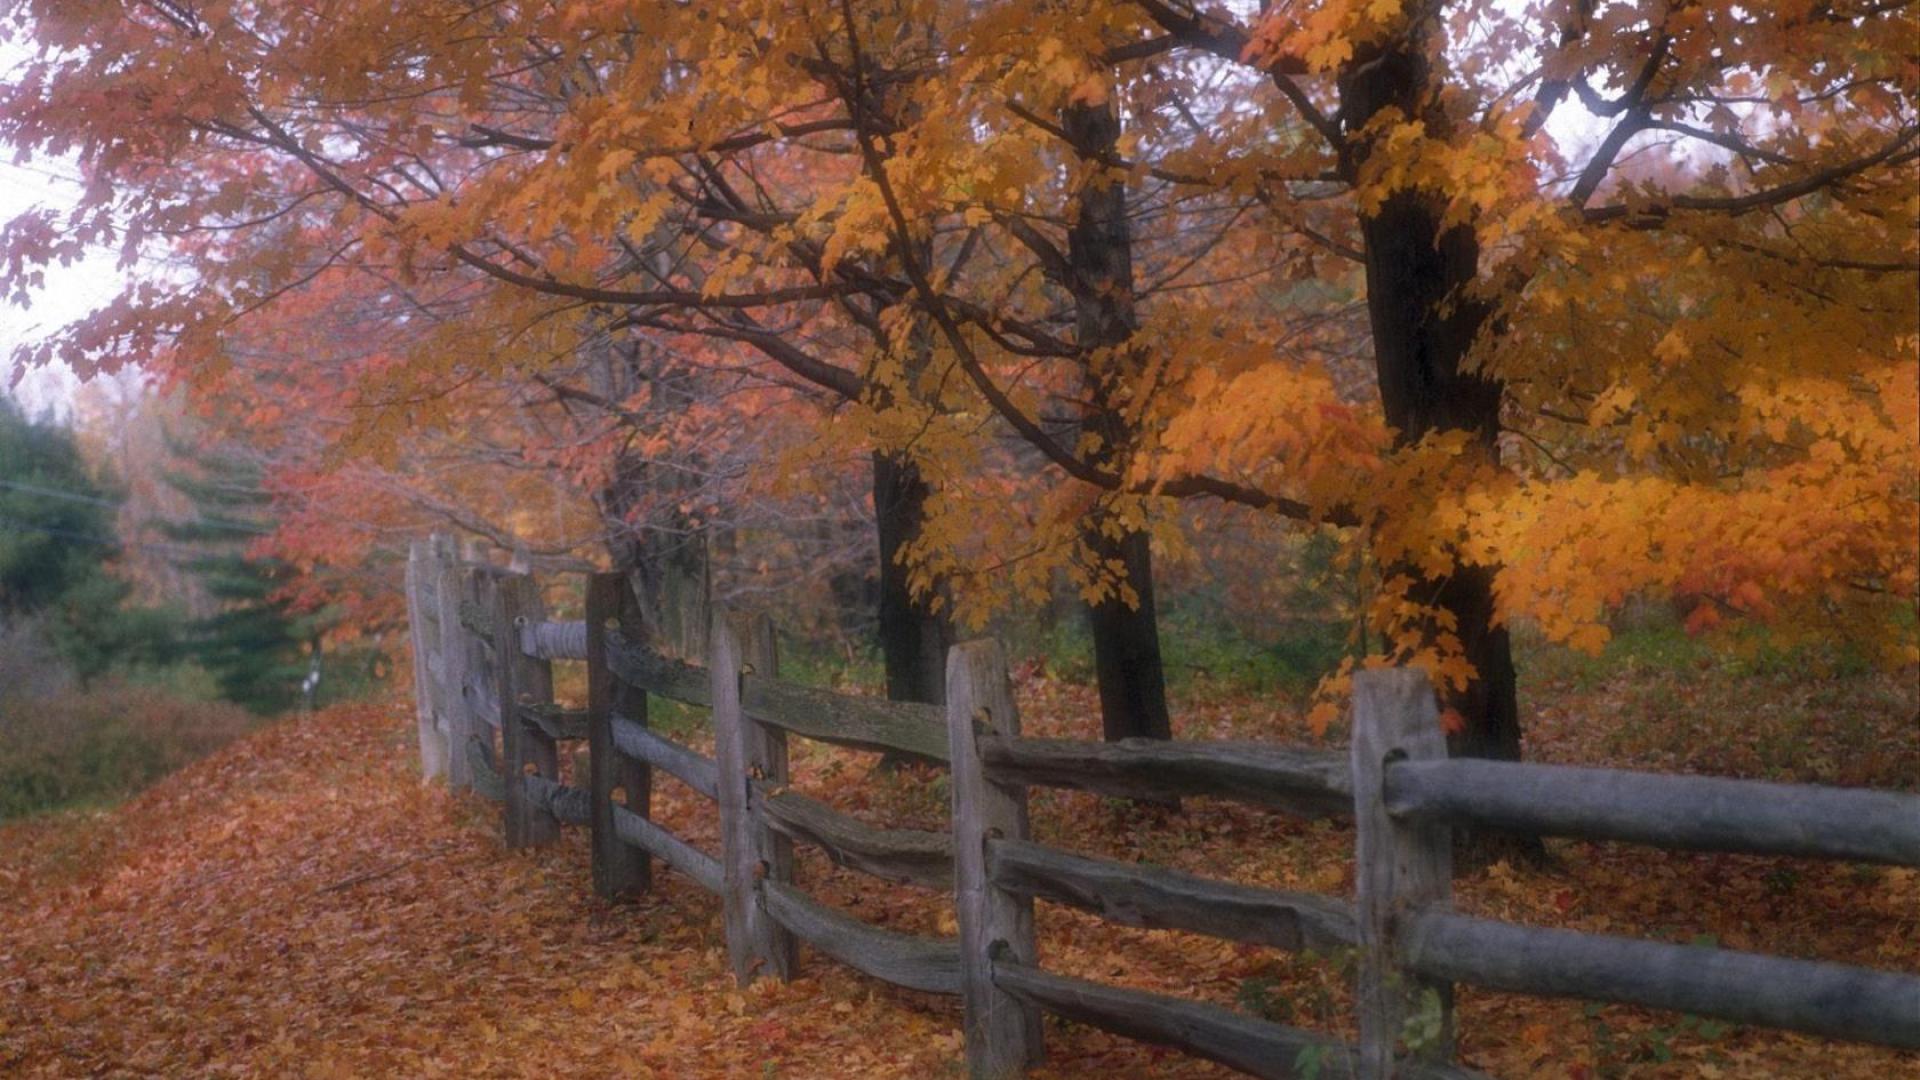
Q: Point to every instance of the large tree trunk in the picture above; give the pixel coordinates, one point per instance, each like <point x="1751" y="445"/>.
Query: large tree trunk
<point x="1424" y="320"/>
<point x="913" y="638"/>
<point x="649" y="538"/>
<point x="664" y="557"/>
<point x="1424" y="323"/>
<point x="1126" y="649"/>
<point x="1126" y="637"/>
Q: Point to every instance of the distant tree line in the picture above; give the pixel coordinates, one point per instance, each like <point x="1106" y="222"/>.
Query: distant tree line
<point x="64" y="602"/>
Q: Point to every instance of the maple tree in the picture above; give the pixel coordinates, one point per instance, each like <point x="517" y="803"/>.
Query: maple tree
<point x="1539" y="306"/>
<point x="609" y="444"/>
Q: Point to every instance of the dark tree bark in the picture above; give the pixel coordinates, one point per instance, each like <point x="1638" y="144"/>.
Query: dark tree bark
<point x="1126" y="654"/>
<point x="913" y="638"/>
<point x="1425" y="320"/>
<point x="663" y="556"/>
<point x="1126" y="637"/>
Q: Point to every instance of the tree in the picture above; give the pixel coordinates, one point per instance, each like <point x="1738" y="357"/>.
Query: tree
<point x="1699" y="321"/>
<point x="256" y="647"/>
<point x="58" y="550"/>
<point x="1466" y="241"/>
<point x="1126" y="641"/>
<point x="56" y="525"/>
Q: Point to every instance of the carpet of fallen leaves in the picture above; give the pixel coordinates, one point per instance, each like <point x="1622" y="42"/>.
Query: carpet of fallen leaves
<point x="299" y="904"/>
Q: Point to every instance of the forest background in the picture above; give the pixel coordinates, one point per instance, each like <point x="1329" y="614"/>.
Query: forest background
<point x="1423" y="320"/>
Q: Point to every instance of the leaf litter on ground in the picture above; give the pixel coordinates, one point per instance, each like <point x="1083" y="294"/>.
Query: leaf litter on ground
<point x="299" y="904"/>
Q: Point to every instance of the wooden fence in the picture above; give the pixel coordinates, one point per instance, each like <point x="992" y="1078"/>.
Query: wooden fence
<point x="487" y="718"/>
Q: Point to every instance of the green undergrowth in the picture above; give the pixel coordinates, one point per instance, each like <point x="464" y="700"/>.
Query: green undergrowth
<point x="1656" y="642"/>
<point x="822" y="664"/>
<point x="1201" y="655"/>
<point x="1655" y="697"/>
<point x="1659" y="698"/>
<point x="96" y="746"/>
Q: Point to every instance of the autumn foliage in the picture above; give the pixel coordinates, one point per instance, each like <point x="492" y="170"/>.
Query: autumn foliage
<point x="1539" y="307"/>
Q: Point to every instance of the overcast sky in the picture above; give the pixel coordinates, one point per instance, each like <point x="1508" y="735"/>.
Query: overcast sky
<point x="70" y="292"/>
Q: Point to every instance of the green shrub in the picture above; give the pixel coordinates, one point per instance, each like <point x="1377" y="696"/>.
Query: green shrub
<point x="103" y="744"/>
<point x="1288" y="656"/>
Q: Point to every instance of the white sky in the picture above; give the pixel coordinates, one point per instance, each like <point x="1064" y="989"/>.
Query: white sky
<point x="71" y="291"/>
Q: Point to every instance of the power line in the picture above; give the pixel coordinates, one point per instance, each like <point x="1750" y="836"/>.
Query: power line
<point x="48" y="173"/>
<point x="57" y="493"/>
<point x="171" y="551"/>
<point x="115" y="504"/>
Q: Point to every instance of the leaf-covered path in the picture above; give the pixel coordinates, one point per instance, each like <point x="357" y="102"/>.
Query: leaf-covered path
<point x="300" y="905"/>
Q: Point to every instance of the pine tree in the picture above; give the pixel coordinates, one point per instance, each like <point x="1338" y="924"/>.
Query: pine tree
<point x="54" y="520"/>
<point x="256" y="648"/>
<point x="57" y="547"/>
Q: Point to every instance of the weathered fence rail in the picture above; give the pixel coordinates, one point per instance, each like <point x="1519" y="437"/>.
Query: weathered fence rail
<point x="1835" y="1000"/>
<point x="1310" y="782"/>
<point x="1154" y="898"/>
<point x="1683" y="812"/>
<point x="483" y="680"/>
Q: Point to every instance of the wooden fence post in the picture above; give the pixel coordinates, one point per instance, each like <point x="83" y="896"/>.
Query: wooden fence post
<point x="619" y="869"/>
<point x="1401" y="867"/>
<point x="455" y="673"/>
<point x="477" y="583"/>
<point x="522" y="680"/>
<point x="1002" y="1032"/>
<point x="422" y="578"/>
<point x="745" y="751"/>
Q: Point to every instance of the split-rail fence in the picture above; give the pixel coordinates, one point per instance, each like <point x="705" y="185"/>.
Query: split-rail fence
<point x="484" y="649"/>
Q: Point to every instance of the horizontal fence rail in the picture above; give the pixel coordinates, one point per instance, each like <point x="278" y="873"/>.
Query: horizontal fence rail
<point x="1158" y="899"/>
<point x="860" y="723"/>
<point x="487" y="721"/>
<point x="567" y="805"/>
<point x="1308" y="782"/>
<point x="908" y="960"/>
<point x="1230" y="1038"/>
<point x="1690" y="812"/>
<point x="640" y="667"/>
<point x="555" y="722"/>
<point x="554" y="640"/>
<point x="690" y="767"/>
<point x="1834" y="1000"/>
<point x="904" y="856"/>
<point x="668" y="848"/>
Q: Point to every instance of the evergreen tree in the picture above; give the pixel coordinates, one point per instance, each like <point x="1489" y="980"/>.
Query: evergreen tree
<point x="256" y="648"/>
<point x="56" y="524"/>
<point x="57" y="542"/>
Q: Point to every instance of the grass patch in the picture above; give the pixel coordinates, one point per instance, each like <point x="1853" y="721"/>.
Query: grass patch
<point x="820" y="664"/>
<point x="103" y="744"/>
<point x="1658" y="698"/>
<point x="1203" y="652"/>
